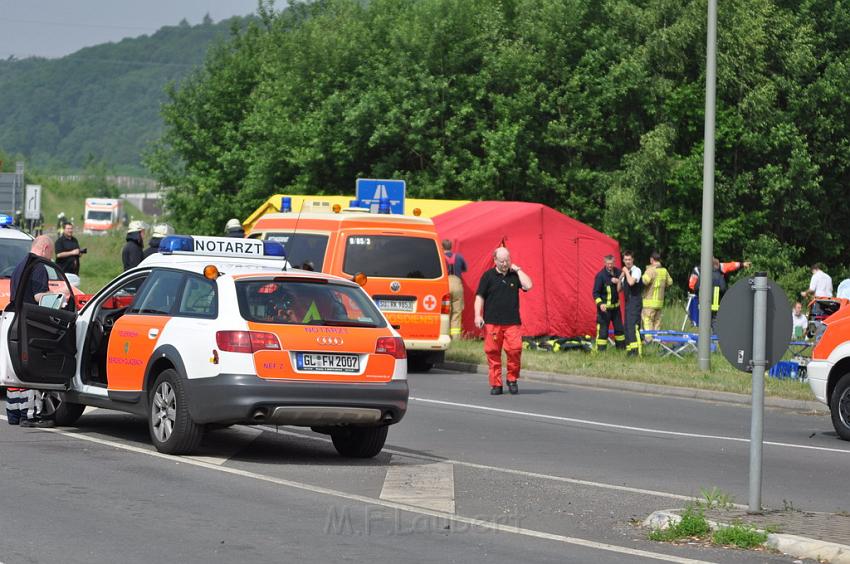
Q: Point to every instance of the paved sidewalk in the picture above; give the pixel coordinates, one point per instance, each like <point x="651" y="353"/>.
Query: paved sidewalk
<point x="625" y="385"/>
<point x="824" y="537"/>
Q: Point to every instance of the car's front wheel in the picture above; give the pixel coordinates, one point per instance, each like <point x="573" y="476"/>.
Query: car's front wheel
<point x="839" y="407"/>
<point x="360" y="442"/>
<point x="68" y="413"/>
<point x="171" y="427"/>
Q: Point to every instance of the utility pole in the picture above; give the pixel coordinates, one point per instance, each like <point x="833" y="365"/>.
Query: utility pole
<point x="707" y="248"/>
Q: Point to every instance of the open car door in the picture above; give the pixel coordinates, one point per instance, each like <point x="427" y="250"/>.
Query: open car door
<point x="42" y="340"/>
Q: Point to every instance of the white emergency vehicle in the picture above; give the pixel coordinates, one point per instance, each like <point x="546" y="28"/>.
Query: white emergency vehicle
<point x="214" y="331"/>
<point x="101" y="215"/>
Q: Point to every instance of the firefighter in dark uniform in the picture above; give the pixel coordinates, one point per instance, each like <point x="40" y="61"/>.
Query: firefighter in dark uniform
<point x="632" y="287"/>
<point x="606" y="293"/>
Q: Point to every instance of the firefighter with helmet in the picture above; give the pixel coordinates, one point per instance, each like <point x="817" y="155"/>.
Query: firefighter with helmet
<point x="233" y="228"/>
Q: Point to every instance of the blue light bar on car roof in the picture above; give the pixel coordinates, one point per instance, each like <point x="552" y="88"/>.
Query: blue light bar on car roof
<point x="176" y="243"/>
<point x="221" y="247"/>
<point x="6" y="220"/>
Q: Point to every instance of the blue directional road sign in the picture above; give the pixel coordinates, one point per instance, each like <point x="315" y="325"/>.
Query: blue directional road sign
<point x="371" y="191"/>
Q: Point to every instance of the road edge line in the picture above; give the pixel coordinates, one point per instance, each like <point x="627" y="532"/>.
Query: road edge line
<point x="645" y="388"/>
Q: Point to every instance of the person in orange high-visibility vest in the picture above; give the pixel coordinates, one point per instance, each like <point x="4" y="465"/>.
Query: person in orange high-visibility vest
<point x="718" y="288"/>
<point x="726" y="268"/>
<point x="655" y="280"/>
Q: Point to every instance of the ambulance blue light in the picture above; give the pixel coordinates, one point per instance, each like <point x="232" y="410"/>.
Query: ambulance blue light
<point x="6" y="220"/>
<point x="177" y="243"/>
<point x="384" y="205"/>
<point x="354" y="203"/>
<point x="286" y="204"/>
<point x="273" y="249"/>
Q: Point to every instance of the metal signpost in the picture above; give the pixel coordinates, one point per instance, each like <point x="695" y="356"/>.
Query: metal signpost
<point x="753" y="347"/>
<point x="11" y="188"/>
<point x="32" y="202"/>
<point x="371" y="191"/>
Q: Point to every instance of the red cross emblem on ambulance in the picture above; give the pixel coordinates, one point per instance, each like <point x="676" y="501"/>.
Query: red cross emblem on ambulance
<point x="429" y="302"/>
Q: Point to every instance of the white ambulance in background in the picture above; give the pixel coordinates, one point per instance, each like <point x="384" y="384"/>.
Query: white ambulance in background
<point x="102" y="215"/>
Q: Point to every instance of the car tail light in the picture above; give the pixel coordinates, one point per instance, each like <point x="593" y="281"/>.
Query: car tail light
<point x="246" y="341"/>
<point x="446" y="306"/>
<point x="261" y="341"/>
<point x="393" y="346"/>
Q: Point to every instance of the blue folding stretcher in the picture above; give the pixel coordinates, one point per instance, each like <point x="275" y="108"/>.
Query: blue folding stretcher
<point x="677" y="343"/>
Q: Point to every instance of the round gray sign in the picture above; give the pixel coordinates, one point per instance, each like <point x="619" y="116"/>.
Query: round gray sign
<point x="735" y="324"/>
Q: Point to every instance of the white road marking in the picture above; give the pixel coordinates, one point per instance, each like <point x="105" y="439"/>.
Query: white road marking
<point x="619" y="427"/>
<point x="514" y="472"/>
<point x="523" y="473"/>
<point x="459" y="519"/>
<point x="431" y="485"/>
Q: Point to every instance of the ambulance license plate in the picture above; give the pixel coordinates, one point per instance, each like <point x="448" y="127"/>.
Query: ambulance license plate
<point x="318" y="362"/>
<point x="408" y="306"/>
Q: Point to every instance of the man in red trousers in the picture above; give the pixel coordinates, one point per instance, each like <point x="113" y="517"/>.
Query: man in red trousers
<point x="497" y="312"/>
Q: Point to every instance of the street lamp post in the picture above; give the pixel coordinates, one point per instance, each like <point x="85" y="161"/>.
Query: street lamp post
<point x="707" y="247"/>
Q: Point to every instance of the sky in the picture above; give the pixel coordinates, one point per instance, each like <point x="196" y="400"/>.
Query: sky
<point x="55" y="28"/>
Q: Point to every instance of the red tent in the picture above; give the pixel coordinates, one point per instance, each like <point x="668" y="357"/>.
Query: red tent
<point x="561" y="255"/>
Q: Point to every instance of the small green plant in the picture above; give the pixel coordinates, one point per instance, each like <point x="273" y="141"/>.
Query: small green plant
<point x="740" y="535"/>
<point x="692" y="524"/>
<point x="788" y="506"/>
<point x="716" y="498"/>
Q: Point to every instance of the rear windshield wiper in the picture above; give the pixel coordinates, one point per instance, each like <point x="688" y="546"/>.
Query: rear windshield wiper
<point x="347" y="323"/>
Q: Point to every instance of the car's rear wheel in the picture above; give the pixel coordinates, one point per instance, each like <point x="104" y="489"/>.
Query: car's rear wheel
<point x="171" y="427"/>
<point x="360" y="442"/>
<point x="839" y="407"/>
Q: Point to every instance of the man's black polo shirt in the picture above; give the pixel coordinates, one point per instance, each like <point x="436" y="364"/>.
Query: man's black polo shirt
<point x="71" y="264"/>
<point x="501" y="297"/>
<point x="38" y="282"/>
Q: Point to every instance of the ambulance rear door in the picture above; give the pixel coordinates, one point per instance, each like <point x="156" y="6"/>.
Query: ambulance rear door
<point x="405" y="276"/>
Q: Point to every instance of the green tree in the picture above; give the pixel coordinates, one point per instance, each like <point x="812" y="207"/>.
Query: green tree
<point x="594" y="107"/>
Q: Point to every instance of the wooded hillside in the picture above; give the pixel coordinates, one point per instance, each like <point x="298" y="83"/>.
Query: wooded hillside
<point x="100" y="103"/>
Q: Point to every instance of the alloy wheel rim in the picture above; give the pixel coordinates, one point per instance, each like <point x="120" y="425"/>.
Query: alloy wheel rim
<point x="844" y="407"/>
<point x="164" y="411"/>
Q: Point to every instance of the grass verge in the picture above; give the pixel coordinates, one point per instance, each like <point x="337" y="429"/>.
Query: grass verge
<point x="650" y="368"/>
<point x="739" y="535"/>
<point x="693" y="525"/>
